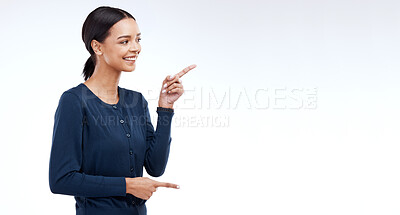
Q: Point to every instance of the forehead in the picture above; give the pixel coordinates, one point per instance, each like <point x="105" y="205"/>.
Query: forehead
<point x="127" y="26"/>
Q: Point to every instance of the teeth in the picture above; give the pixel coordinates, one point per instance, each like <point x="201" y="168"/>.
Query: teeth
<point x="130" y="58"/>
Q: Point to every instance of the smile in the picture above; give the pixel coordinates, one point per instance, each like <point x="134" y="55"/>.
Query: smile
<point x="130" y="58"/>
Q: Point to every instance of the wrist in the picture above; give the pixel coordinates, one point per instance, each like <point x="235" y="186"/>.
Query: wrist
<point x="127" y="182"/>
<point x="126" y="185"/>
<point x="170" y="106"/>
<point x="171" y="110"/>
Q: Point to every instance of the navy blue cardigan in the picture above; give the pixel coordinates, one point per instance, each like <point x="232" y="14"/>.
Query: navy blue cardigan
<point x="95" y="145"/>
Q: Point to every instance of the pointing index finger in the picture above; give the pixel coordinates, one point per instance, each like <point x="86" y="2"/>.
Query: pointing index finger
<point x="186" y="70"/>
<point x="165" y="184"/>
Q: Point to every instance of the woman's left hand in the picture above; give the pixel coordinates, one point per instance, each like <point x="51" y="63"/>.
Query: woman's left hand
<point x="172" y="88"/>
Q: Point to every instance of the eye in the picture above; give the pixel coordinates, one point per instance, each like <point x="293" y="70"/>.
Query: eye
<point x="124" y="42"/>
<point x="139" y="39"/>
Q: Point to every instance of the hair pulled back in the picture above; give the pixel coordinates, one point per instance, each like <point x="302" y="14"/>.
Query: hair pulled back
<point x="96" y="27"/>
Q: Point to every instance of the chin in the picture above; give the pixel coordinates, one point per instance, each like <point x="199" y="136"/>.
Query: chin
<point x="129" y="69"/>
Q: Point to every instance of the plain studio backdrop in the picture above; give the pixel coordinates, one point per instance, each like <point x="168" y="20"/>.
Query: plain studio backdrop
<point x="293" y="107"/>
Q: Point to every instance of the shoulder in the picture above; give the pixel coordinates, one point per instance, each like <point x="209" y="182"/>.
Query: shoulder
<point x="135" y="96"/>
<point x="73" y="92"/>
<point x="131" y="92"/>
<point x="69" y="106"/>
<point x="71" y="98"/>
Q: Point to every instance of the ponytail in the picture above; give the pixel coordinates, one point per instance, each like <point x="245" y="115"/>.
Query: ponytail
<point x="89" y="68"/>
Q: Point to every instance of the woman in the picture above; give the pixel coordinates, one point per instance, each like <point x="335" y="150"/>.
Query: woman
<point x="103" y="135"/>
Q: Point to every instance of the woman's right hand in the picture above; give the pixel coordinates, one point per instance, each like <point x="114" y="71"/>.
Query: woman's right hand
<point x="143" y="187"/>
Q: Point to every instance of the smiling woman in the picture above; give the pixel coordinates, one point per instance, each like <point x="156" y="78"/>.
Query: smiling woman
<point x="114" y="36"/>
<point x="102" y="134"/>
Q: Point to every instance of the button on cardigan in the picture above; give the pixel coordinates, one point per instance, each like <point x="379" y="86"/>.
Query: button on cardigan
<point x="95" y="145"/>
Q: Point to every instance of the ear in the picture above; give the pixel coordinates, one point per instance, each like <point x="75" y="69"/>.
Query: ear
<point x="96" y="46"/>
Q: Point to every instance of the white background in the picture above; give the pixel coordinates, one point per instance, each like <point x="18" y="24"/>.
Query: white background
<point x="279" y="149"/>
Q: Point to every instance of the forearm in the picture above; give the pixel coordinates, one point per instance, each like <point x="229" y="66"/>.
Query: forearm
<point x="80" y="184"/>
<point x="159" y="145"/>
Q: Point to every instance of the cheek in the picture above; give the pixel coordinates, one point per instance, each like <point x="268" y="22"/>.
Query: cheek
<point x="122" y="51"/>
<point x="115" y="55"/>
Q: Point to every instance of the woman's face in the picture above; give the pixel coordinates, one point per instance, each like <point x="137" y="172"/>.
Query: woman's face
<point x="122" y="45"/>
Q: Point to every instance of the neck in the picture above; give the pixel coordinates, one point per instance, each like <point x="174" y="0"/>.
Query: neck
<point x="104" y="82"/>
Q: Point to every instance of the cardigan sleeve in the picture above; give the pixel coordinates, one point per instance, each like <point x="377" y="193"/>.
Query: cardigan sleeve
<point x="157" y="142"/>
<point x="65" y="175"/>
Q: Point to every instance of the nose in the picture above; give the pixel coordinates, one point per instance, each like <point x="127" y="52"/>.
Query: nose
<point x="135" y="47"/>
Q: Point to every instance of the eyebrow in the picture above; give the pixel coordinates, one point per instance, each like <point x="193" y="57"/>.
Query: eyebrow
<point x="128" y="36"/>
